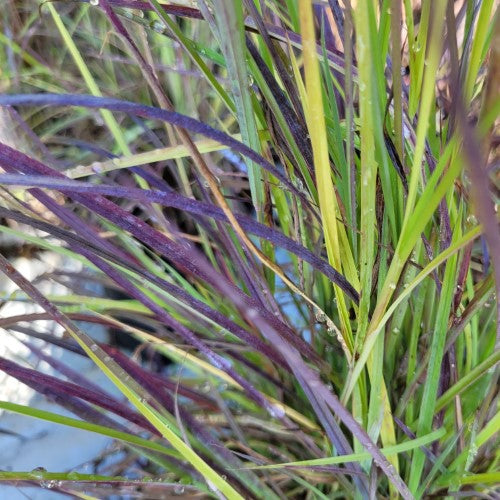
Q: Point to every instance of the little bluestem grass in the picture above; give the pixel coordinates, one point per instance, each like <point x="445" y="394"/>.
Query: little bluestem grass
<point x="299" y="200"/>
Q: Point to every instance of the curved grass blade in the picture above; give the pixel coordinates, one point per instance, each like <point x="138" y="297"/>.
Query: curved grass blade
<point x="190" y="124"/>
<point x="130" y="439"/>
<point x="359" y="457"/>
<point x="173" y="199"/>
<point x="134" y="393"/>
<point x="186" y="257"/>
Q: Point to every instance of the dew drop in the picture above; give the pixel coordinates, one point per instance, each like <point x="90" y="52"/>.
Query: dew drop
<point x="392" y="286"/>
<point x="96" y="167"/>
<point x="252" y="314"/>
<point x="179" y="489"/>
<point x="94" y="2"/>
<point x="38" y="472"/>
<point x="276" y="411"/>
<point x="48" y="484"/>
<point x="320" y="317"/>
<point x="157" y="26"/>
<point x="94" y="347"/>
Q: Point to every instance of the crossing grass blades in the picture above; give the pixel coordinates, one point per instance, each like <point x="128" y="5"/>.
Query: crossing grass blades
<point x="297" y="201"/>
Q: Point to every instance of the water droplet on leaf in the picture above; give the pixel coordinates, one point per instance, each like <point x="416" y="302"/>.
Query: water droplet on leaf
<point x="38" y="472"/>
<point x="179" y="489"/>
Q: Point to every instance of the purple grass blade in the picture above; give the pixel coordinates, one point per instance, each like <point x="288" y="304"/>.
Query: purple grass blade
<point x="215" y="359"/>
<point x="68" y="345"/>
<point x="229" y="325"/>
<point x="175" y="200"/>
<point x="314" y="386"/>
<point x="8" y="321"/>
<point x="176" y="10"/>
<point x="80" y="408"/>
<point x="282" y="71"/>
<point x="187" y="258"/>
<point x="338" y="15"/>
<point x="298" y="130"/>
<point x="275" y="32"/>
<point x="177" y="119"/>
<point x="160" y="383"/>
<point x="333" y="431"/>
<point x="476" y="160"/>
<point x="153" y="383"/>
<point x="63" y="388"/>
<point x="64" y="369"/>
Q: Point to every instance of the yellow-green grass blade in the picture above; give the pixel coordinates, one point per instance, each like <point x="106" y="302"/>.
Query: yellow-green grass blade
<point x="191" y="49"/>
<point x="124" y="437"/>
<point x="434" y="264"/>
<point x="107" y="116"/>
<point x="134" y="393"/>
<point x="160" y="154"/>
<point x="232" y="39"/>
<point x="486" y="433"/>
<point x="315" y="119"/>
<point x="358" y="457"/>
<point x="482" y="369"/>
<point x="477" y="53"/>
<point x="379" y="411"/>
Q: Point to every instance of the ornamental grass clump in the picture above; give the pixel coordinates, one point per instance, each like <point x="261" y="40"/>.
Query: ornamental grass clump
<point x="296" y="202"/>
